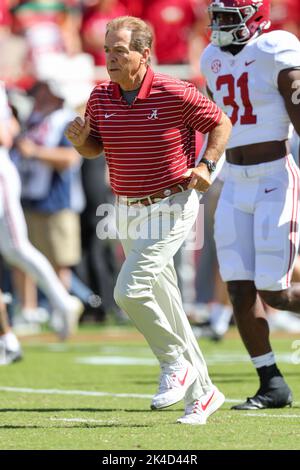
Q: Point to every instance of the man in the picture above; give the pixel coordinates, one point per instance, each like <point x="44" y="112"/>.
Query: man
<point x="253" y="77"/>
<point x="14" y="244"/>
<point x="146" y="123"/>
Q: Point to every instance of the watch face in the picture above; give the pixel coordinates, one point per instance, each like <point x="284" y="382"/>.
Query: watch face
<point x="211" y="165"/>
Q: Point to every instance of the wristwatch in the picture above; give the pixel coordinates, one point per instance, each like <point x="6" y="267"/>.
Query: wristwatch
<point x="211" y="165"/>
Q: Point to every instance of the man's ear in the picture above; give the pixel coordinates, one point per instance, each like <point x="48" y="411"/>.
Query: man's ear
<point x="145" y="56"/>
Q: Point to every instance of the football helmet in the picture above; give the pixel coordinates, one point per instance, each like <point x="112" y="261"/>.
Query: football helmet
<point x="237" y="21"/>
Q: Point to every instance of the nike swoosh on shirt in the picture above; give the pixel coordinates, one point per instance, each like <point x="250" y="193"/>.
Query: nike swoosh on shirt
<point x="205" y="405"/>
<point x="270" y="190"/>
<point x="106" y="115"/>
<point x="249" y="63"/>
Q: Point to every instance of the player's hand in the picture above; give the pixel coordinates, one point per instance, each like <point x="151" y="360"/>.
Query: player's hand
<point x="200" y="178"/>
<point x="78" y="131"/>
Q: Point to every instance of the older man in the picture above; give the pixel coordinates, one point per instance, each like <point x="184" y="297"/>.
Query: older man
<point x="146" y="124"/>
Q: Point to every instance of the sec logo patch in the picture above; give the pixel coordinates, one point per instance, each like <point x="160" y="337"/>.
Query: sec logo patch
<point x="216" y="66"/>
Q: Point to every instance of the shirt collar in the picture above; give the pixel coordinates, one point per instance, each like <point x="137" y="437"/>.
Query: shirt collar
<point x="145" y="89"/>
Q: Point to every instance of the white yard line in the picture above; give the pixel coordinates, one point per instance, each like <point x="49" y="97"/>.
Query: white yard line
<point x="55" y="391"/>
<point x="83" y="420"/>
<point x="116" y="361"/>
<point x="211" y="359"/>
<point x="114" y="352"/>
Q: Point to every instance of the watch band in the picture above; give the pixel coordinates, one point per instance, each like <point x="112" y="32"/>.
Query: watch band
<point x="211" y="165"/>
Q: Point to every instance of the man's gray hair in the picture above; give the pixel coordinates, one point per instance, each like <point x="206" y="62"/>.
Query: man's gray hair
<point x="141" y="32"/>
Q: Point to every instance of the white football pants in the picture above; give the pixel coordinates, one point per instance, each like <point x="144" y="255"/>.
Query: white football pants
<point x="257" y="223"/>
<point x="147" y="289"/>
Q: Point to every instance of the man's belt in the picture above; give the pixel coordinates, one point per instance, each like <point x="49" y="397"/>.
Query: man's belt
<point x="148" y="200"/>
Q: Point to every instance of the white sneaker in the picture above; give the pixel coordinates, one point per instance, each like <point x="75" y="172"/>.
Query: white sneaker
<point x="175" y="379"/>
<point x="8" y="356"/>
<point x="66" y="323"/>
<point x="198" y="411"/>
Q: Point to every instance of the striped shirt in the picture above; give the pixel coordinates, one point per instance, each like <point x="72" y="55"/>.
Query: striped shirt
<point x="149" y="144"/>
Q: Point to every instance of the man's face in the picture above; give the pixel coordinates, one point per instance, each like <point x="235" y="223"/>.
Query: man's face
<point x="121" y="62"/>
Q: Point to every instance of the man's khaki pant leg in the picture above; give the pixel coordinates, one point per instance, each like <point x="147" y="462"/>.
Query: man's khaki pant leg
<point x="166" y="289"/>
<point x="147" y="287"/>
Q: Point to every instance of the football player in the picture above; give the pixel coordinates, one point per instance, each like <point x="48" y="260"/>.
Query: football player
<point x="255" y="79"/>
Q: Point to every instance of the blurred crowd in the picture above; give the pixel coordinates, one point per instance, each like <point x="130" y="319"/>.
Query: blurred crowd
<point x="51" y="57"/>
<point x="30" y="29"/>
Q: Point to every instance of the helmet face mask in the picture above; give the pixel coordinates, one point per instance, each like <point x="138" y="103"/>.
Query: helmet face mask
<point x="237" y="21"/>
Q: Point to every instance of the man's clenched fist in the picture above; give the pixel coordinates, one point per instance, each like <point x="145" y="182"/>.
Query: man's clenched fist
<point x="78" y="131"/>
<point x="200" y="178"/>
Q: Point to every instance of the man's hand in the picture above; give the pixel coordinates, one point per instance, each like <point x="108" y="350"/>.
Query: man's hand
<point x="200" y="178"/>
<point x="78" y="131"/>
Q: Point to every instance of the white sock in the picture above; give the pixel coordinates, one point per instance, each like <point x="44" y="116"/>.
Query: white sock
<point x="220" y="316"/>
<point x="264" y="361"/>
<point x="11" y="341"/>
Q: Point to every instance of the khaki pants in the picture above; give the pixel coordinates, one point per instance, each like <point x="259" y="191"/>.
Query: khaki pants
<point x="56" y="235"/>
<point x="147" y="284"/>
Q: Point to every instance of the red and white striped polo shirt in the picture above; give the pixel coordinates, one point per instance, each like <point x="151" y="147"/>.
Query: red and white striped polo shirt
<point x="150" y="144"/>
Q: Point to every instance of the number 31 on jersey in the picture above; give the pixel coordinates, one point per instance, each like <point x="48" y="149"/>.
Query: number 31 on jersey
<point x="242" y="83"/>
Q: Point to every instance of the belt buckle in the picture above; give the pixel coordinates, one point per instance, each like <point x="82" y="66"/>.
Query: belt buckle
<point x="137" y="203"/>
<point x="144" y="201"/>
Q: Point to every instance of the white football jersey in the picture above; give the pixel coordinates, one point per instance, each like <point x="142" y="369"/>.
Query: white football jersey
<point x="245" y="86"/>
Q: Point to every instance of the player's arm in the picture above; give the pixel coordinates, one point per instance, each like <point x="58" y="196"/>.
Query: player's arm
<point x="289" y="88"/>
<point x="78" y="133"/>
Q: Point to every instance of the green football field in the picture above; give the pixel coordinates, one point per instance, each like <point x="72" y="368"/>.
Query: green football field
<point x="94" y="393"/>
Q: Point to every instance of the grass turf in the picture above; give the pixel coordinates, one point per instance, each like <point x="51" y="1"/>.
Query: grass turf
<point x="52" y="420"/>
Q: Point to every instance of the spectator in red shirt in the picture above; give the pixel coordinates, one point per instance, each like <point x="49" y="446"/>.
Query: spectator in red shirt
<point x="5" y="18"/>
<point x="94" y="21"/>
<point x="174" y="23"/>
<point x="146" y="124"/>
<point x="134" y="7"/>
<point x="285" y="14"/>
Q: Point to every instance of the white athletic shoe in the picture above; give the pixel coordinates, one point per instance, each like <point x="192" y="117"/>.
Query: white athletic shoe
<point x="175" y="379"/>
<point x="66" y="323"/>
<point x="8" y="356"/>
<point x="198" y="411"/>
